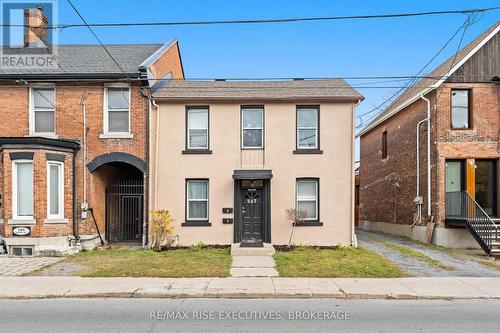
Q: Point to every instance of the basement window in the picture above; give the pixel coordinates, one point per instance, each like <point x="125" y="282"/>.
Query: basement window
<point x="21" y="251"/>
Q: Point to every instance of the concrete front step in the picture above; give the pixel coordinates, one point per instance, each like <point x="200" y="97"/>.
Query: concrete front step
<point x="253" y="262"/>
<point x="253" y="272"/>
<point x="266" y="250"/>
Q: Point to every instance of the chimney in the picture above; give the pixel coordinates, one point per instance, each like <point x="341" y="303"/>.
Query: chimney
<point x="35" y="32"/>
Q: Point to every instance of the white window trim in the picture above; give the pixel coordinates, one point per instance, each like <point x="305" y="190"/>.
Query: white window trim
<point x="59" y="216"/>
<point x="115" y="135"/>
<point x="316" y="182"/>
<point x="194" y="128"/>
<point x="14" y="192"/>
<point x="307" y="128"/>
<point x="196" y="200"/>
<point x="31" y="102"/>
<point x="252" y="128"/>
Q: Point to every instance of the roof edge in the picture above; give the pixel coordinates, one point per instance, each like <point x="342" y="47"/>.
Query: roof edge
<point x="425" y="91"/>
<point x="157" y="54"/>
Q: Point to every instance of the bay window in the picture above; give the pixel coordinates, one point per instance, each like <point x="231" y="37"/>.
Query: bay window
<point x="55" y="190"/>
<point x="22" y="189"/>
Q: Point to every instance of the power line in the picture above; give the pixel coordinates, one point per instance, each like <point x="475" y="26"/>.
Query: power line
<point x="265" y="21"/>
<point x="398" y="93"/>
<point x="94" y="34"/>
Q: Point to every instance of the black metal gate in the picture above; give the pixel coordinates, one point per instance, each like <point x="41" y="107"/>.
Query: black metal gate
<point x="124" y="210"/>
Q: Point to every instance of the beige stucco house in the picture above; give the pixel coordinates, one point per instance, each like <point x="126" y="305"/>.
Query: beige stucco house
<point x="228" y="158"/>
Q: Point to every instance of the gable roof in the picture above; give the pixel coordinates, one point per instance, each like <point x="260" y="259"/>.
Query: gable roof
<point x="436" y="78"/>
<point x="84" y="61"/>
<point x="333" y="89"/>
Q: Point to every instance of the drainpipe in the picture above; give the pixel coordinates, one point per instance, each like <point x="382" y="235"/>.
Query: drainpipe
<point x="418" y="200"/>
<point x="84" y="109"/>
<point x="75" y="201"/>
<point x="147" y="175"/>
<point x="157" y="152"/>
<point x="429" y="212"/>
<point x="354" y="241"/>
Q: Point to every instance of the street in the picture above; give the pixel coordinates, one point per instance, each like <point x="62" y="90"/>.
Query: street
<point x="221" y="315"/>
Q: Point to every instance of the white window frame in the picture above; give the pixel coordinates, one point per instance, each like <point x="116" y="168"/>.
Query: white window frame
<point x="197" y="108"/>
<point x="60" y="215"/>
<point x="316" y="199"/>
<point x="32" y="109"/>
<point x="15" y="216"/>
<point x="188" y="218"/>
<point x="106" y="131"/>
<point x="316" y="145"/>
<point x="261" y="108"/>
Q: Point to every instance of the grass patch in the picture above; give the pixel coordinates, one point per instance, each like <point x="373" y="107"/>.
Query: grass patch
<point x="417" y="255"/>
<point x="338" y="262"/>
<point x="119" y="262"/>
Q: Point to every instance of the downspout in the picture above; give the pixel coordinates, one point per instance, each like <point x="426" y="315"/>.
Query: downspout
<point x="429" y="212"/>
<point x="418" y="199"/>
<point x="157" y="152"/>
<point x="354" y="241"/>
<point x="145" y="225"/>
<point x="75" y="201"/>
<point x="84" y="109"/>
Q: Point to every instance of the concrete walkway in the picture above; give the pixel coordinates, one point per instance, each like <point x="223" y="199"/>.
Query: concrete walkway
<point x="253" y="262"/>
<point x="342" y="288"/>
<point x="15" y="266"/>
<point x="459" y="265"/>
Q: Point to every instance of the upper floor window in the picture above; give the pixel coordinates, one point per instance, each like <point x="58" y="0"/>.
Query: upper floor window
<point x="307" y="127"/>
<point x="252" y="127"/>
<point x="460" y="108"/>
<point x="43" y="107"/>
<point x="197" y="128"/>
<point x="117" y="110"/>
<point x="384" y="144"/>
<point x="22" y="189"/>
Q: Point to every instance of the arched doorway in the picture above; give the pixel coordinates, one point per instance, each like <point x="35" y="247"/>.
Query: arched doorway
<point x="118" y="181"/>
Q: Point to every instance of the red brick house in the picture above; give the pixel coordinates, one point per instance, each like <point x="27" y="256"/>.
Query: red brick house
<point x="74" y="145"/>
<point x="460" y="191"/>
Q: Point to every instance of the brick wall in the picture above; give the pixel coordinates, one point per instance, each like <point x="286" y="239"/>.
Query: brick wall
<point x="69" y="125"/>
<point x="388" y="186"/>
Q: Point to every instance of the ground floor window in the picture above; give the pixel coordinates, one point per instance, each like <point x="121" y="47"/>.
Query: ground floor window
<point x="55" y="190"/>
<point x="22" y="189"/>
<point x="197" y="200"/>
<point x="307" y="198"/>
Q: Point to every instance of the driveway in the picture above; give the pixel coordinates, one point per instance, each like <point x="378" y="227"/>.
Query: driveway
<point x="15" y="266"/>
<point x="459" y="264"/>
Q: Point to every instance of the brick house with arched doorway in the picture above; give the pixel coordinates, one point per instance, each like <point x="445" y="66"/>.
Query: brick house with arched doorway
<point x="74" y="145"/>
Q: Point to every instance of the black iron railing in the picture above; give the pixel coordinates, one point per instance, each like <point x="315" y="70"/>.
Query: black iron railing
<point x="460" y="205"/>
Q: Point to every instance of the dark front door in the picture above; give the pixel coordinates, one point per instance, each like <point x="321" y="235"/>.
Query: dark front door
<point x="252" y="212"/>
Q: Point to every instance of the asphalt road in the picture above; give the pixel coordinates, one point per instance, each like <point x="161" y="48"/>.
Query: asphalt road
<point x="231" y="315"/>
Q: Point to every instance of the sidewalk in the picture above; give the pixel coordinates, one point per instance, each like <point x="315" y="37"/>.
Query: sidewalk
<point x="264" y="287"/>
